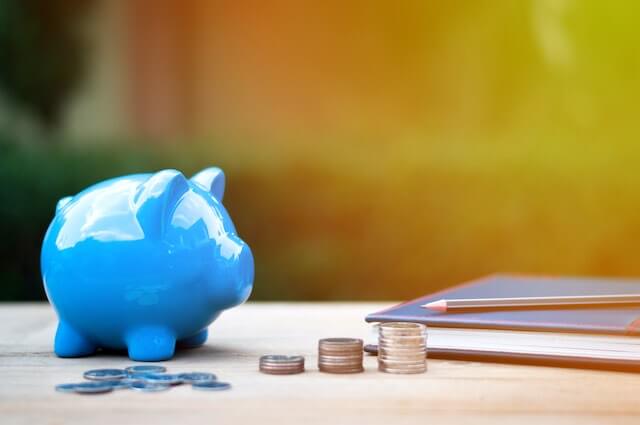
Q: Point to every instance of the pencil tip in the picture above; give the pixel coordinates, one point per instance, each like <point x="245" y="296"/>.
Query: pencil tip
<point x="440" y="306"/>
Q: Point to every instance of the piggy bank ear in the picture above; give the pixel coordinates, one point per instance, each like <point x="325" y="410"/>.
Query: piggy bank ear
<point x="211" y="179"/>
<point x="156" y="198"/>
<point x="62" y="202"/>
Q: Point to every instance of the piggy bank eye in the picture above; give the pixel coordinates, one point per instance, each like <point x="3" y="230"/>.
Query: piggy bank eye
<point x="186" y="232"/>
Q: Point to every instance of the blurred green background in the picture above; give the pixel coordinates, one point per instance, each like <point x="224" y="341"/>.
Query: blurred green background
<point x="372" y="151"/>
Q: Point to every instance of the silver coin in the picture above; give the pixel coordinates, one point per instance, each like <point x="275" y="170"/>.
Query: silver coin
<point x="281" y="367"/>
<point x="146" y="368"/>
<point x="392" y="329"/>
<point x="395" y="346"/>
<point x="104" y="374"/>
<point x="400" y="352"/>
<point x="165" y="378"/>
<point x="340" y="341"/>
<point x="404" y="340"/>
<point x="400" y="346"/>
<point x="404" y="361"/>
<point x="400" y="361"/>
<point x="120" y="384"/>
<point x="66" y="388"/>
<point x="211" y="386"/>
<point x="279" y="358"/>
<point x="371" y="349"/>
<point x="281" y="371"/>
<point x="345" y="358"/>
<point x="281" y="364"/>
<point x="342" y="346"/>
<point x="85" y="388"/>
<point x="339" y="345"/>
<point x="138" y="376"/>
<point x="402" y="371"/>
<point x="149" y="387"/>
<point x="191" y="377"/>
<point x="339" y="370"/>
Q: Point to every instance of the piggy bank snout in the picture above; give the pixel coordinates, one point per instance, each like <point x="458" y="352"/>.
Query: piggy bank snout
<point x="245" y="266"/>
<point x="240" y="272"/>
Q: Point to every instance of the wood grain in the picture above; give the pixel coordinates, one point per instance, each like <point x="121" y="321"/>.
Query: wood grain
<point x="450" y="392"/>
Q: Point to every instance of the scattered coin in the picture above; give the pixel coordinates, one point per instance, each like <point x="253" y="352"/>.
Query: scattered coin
<point x="119" y="384"/>
<point x="211" y="386"/>
<point x="191" y="377"/>
<point x="85" y="388"/>
<point x="139" y="376"/>
<point x="104" y="374"/>
<point x="166" y="378"/>
<point x="402" y="348"/>
<point x="275" y="364"/>
<point x="371" y="349"/>
<point x="149" y="387"/>
<point x="66" y="388"/>
<point x="340" y="355"/>
<point x="145" y="369"/>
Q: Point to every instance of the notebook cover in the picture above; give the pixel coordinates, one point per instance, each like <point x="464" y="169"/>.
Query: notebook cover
<point x="535" y="359"/>
<point x="620" y="320"/>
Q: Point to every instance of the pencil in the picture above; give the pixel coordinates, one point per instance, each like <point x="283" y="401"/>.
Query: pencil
<point x="444" y="305"/>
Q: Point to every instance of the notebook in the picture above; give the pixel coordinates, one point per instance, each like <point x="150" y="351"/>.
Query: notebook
<point x="606" y="338"/>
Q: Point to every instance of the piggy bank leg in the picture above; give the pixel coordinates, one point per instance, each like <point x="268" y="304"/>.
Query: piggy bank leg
<point x="195" y="340"/>
<point x="70" y="343"/>
<point x="151" y="344"/>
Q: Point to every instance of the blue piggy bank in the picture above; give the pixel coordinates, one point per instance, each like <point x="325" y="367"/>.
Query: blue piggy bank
<point x="143" y="262"/>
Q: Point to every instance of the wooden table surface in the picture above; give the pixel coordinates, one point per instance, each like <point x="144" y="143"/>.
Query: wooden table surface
<point x="450" y="392"/>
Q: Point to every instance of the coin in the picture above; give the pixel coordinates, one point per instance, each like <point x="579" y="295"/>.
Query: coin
<point x="139" y="376"/>
<point x="403" y="340"/>
<point x="149" y="387"/>
<point x="340" y="370"/>
<point x="395" y="362"/>
<point x="66" y="388"/>
<point x="104" y="374"/>
<point x="402" y="348"/>
<point x="191" y="377"/>
<point x="269" y="367"/>
<point x="342" y="359"/>
<point x="339" y="342"/>
<point x="371" y="349"/>
<point x="145" y="369"/>
<point x="165" y="378"/>
<point x="399" y="329"/>
<point x="403" y="370"/>
<point x="280" y="359"/>
<point x="276" y="364"/>
<point x="119" y="384"/>
<point x="291" y="370"/>
<point x="340" y="355"/>
<point x="382" y="345"/>
<point x="211" y="386"/>
<point x="85" y="388"/>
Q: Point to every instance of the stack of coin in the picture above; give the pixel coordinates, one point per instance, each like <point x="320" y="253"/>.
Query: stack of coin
<point x="340" y="355"/>
<point x="281" y="365"/>
<point x="402" y="348"/>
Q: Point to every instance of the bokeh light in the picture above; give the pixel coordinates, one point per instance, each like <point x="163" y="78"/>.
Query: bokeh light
<point x="373" y="150"/>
